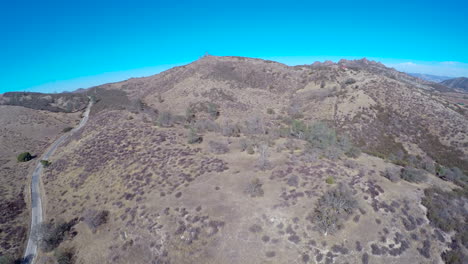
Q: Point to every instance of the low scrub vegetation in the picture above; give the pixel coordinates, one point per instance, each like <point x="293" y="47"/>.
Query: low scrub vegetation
<point x="194" y="137"/>
<point x="49" y="235"/>
<point x="254" y="188"/>
<point x="413" y="175"/>
<point x="218" y="147"/>
<point x="165" y="119"/>
<point x="447" y="211"/>
<point x="332" y="209"/>
<point x="94" y="219"/>
<point x="65" y="256"/>
<point x="393" y="174"/>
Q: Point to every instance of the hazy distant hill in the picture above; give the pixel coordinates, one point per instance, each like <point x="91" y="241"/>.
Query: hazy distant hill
<point x="429" y="77"/>
<point x="457" y="83"/>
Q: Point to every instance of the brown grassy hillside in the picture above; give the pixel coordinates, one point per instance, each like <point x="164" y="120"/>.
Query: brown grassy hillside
<point x="238" y="160"/>
<point x="22" y="130"/>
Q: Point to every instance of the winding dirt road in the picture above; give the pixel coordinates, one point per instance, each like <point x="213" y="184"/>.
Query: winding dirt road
<point x="36" y="201"/>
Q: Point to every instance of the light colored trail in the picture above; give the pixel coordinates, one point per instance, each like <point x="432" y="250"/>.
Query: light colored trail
<point x="36" y="201"/>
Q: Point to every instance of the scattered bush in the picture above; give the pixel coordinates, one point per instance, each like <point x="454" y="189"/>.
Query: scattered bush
<point x="244" y="144"/>
<point x="332" y="153"/>
<point x="194" y="137"/>
<point x="298" y="129"/>
<point x="350" y="81"/>
<point x="250" y="150"/>
<point x="270" y="111"/>
<point x="255" y="125"/>
<point x="67" y="129"/>
<point x="393" y="174"/>
<point x="45" y="163"/>
<point x="65" y="256"/>
<point x="213" y="110"/>
<point x="189" y="115"/>
<point x="48" y="236"/>
<point x="330" y="180"/>
<point x="165" y="119"/>
<point x="447" y="211"/>
<point x="8" y="260"/>
<point x="204" y="125"/>
<point x="25" y="156"/>
<point x="428" y="165"/>
<point x="321" y="136"/>
<point x="413" y="175"/>
<point x="93" y="218"/>
<point x="332" y="208"/>
<point x="218" y="147"/>
<point x="354" y="152"/>
<point x="230" y="130"/>
<point x="254" y="188"/>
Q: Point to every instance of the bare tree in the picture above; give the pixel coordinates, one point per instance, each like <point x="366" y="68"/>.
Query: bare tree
<point x="263" y="161"/>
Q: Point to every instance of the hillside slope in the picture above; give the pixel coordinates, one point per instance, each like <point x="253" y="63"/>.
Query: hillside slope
<point x="239" y="160"/>
<point x="458" y="83"/>
<point x="22" y="130"/>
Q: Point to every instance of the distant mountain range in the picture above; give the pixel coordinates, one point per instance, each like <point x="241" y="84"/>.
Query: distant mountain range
<point x="457" y="83"/>
<point x="429" y="77"/>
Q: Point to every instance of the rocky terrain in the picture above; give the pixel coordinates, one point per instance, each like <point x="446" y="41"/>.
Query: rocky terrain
<point x="240" y="160"/>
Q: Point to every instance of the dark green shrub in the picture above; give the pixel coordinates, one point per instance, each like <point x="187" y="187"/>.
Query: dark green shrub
<point x="270" y="111"/>
<point x="67" y="129"/>
<point x="413" y="175"/>
<point x="330" y="180"/>
<point x="45" y="163"/>
<point x="25" y="156"/>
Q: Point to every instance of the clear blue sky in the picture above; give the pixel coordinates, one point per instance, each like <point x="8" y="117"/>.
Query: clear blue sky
<point x="63" y="45"/>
